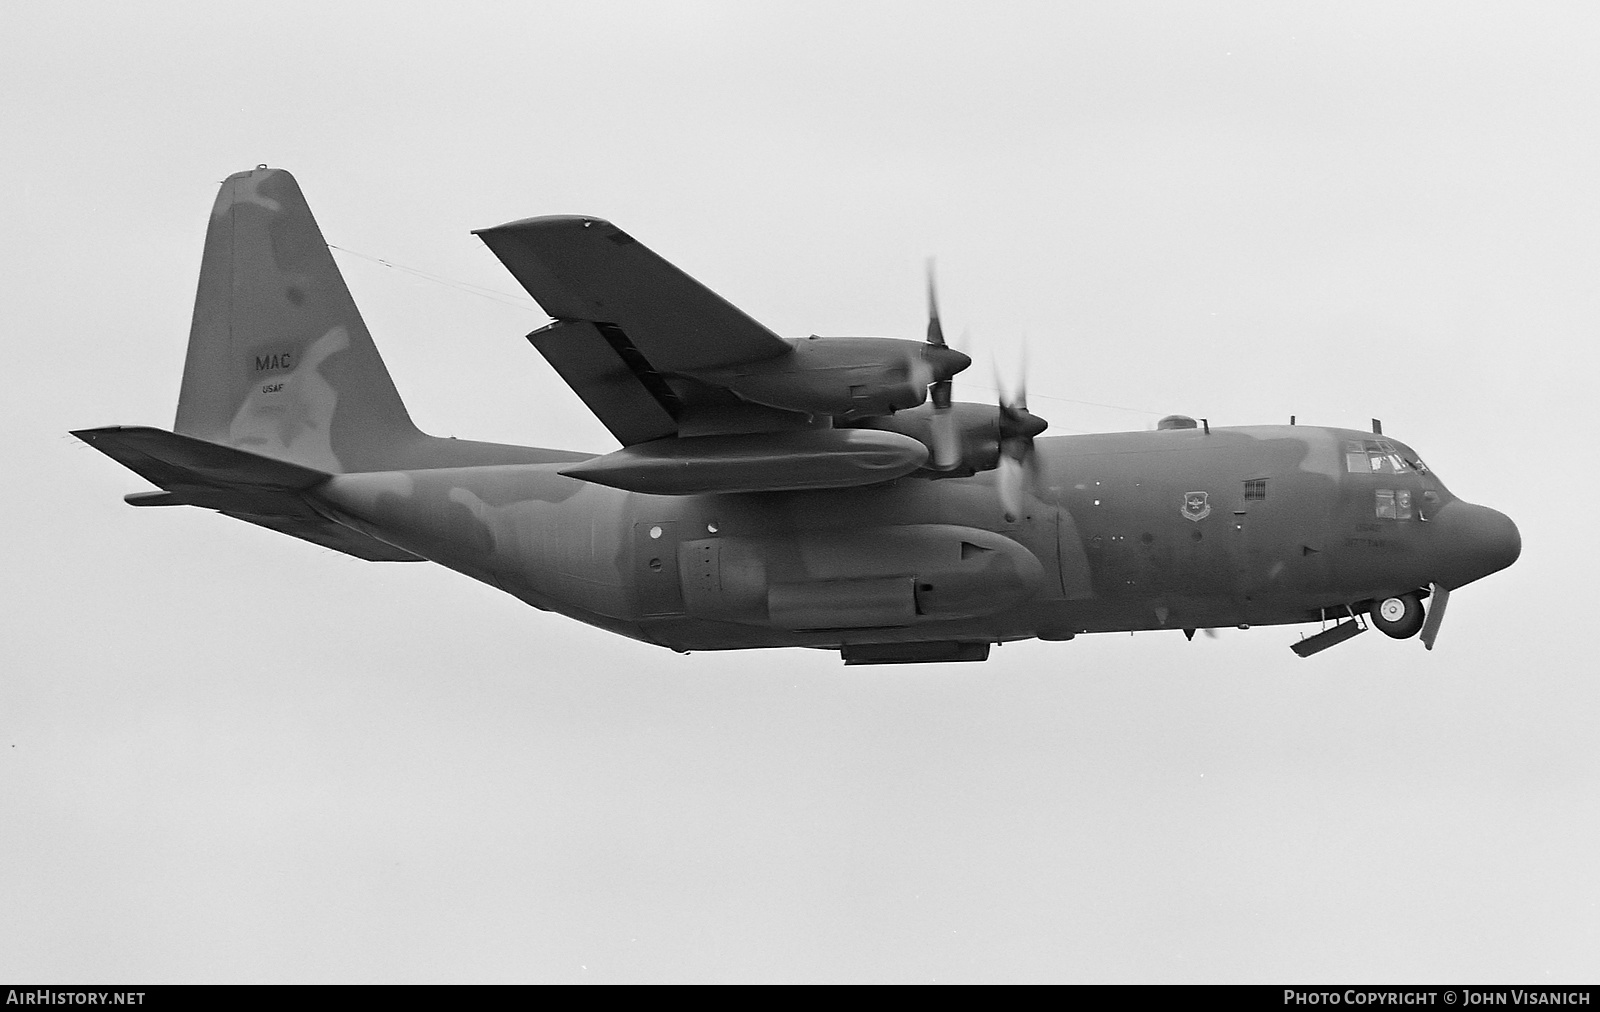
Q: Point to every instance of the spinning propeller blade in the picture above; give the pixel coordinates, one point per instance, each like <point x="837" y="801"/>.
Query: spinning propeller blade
<point x="946" y="449"/>
<point x="935" y="329"/>
<point x="1019" y="465"/>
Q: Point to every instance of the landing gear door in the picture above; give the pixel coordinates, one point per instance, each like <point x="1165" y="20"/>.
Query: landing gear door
<point x="655" y="568"/>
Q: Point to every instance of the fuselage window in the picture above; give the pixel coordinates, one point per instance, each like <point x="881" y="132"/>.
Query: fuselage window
<point x="1255" y="489"/>
<point x="1385" y="504"/>
<point x="1373" y="456"/>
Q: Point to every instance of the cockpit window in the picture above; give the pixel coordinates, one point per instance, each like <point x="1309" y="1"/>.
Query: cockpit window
<point x="1373" y="456"/>
<point x="1393" y="503"/>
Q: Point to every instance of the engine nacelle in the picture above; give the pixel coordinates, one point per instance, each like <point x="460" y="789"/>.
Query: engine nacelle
<point x="977" y="428"/>
<point x="845" y="377"/>
<point x="758" y="462"/>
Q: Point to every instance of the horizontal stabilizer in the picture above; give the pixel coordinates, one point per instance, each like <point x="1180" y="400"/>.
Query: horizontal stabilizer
<point x="260" y="490"/>
<point x="173" y="461"/>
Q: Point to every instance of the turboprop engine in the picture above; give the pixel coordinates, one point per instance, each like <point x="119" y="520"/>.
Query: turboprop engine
<point x="845" y="377"/>
<point x="982" y="437"/>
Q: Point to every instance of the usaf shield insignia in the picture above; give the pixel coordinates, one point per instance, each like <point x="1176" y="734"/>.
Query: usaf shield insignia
<point x="1196" y="505"/>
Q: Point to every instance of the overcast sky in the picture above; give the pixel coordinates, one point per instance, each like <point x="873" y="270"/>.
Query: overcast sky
<point x="227" y="755"/>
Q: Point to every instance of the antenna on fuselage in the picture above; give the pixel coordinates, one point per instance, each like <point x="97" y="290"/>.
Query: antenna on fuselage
<point x="1377" y="426"/>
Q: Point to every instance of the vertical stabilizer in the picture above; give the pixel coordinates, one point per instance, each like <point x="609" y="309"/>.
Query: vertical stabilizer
<point x="280" y="362"/>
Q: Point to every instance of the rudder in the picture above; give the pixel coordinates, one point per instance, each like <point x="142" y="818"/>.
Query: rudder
<point x="280" y="363"/>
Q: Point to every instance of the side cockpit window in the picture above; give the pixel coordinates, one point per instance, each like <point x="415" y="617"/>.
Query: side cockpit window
<point x="1393" y="503"/>
<point x="1373" y="456"/>
<point x="1385" y="503"/>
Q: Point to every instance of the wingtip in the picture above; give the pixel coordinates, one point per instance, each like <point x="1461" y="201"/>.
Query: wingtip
<point x="90" y="435"/>
<point x="545" y="222"/>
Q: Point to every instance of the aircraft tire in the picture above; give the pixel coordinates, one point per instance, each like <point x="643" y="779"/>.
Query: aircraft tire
<point x="1400" y="616"/>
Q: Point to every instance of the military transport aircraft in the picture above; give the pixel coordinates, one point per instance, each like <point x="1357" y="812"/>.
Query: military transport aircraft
<point x="770" y="491"/>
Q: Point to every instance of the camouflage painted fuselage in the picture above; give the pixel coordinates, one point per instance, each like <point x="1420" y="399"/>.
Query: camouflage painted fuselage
<point x="287" y="418"/>
<point x="1129" y="531"/>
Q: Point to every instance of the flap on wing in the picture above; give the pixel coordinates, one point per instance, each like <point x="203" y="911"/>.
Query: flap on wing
<point x="580" y="268"/>
<point x="619" y="393"/>
<point x="635" y="401"/>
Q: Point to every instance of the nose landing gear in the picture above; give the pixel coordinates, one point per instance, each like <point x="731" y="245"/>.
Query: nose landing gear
<point x="1400" y="617"/>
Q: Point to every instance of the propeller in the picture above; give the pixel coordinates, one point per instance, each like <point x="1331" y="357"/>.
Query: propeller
<point x="1016" y="426"/>
<point x="946" y="449"/>
<point x="1019" y="465"/>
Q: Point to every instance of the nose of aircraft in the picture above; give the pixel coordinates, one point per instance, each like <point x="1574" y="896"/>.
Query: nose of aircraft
<point x="1473" y="541"/>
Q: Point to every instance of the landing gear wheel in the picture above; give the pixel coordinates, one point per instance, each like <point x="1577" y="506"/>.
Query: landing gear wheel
<point x="1400" y="617"/>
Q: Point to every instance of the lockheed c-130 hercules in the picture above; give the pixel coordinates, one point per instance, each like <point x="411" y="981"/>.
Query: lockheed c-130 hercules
<point x="772" y="492"/>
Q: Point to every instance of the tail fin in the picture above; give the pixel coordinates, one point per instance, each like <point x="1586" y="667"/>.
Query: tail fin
<point x="280" y="363"/>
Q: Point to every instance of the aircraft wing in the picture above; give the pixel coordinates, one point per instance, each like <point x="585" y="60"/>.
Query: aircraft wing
<point x="631" y="329"/>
